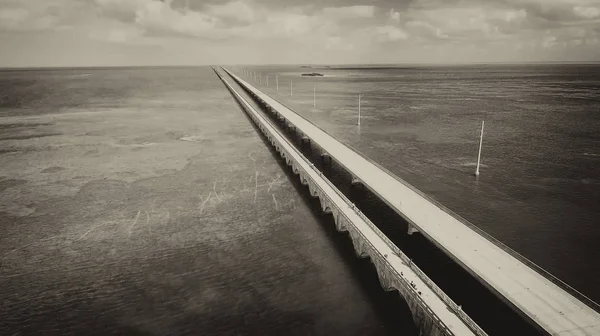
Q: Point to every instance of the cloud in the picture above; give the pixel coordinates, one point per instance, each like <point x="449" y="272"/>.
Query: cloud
<point x="389" y="33"/>
<point x="587" y="12"/>
<point x="490" y="22"/>
<point x="319" y="26"/>
<point x="117" y="32"/>
<point x="158" y="17"/>
<point x="465" y="23"/>
<point x="349" y="12"/>
<point x="554" y="13"/>
<point x="235" y="19"/>
<point x="336" y="43"/>
<point x="549" y="41"/>
<point x="31" y="15"/>
<point x="241" y="19"/>
<point x="238" y="10"/>
<point x="161" y="17"/>
<point x="12" y="18"/>
<point x="394" y="16"/>
<point x="426" y="30"/>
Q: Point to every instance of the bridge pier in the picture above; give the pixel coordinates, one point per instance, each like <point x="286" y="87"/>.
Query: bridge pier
<point x="326" y="158"/>
<point x="304" y="140"/>
<point x="412" y="229"/>
<point x="281" y="121"/>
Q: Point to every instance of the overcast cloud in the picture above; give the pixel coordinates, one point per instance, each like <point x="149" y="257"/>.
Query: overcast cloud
<point x="176" y="32"/>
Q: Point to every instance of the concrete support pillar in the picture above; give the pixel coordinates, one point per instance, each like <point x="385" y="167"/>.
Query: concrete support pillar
<point x="412" y="229"/>
<point x="326" y="158"/>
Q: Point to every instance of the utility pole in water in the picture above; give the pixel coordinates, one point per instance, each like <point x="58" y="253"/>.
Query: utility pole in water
<point x="359" y="96"/>
<point x="479" y="154"/>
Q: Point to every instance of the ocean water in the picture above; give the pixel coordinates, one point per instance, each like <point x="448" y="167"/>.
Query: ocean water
<point x="539" y="188"/>
<point x="141" y="201"/>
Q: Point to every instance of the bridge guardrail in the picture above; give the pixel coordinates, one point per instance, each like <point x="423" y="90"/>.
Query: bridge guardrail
<point x="438" y="291"/>
<point x="547" y="275"/>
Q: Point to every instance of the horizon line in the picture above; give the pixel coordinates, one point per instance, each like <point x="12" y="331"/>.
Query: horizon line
<point x="297" y="64"/>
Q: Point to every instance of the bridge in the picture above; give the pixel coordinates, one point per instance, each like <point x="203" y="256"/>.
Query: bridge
<point x="545" y="301"/>
<point x="433" y="311"/>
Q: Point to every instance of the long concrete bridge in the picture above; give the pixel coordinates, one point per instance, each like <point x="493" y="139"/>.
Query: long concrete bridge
<point x="552" y="306"/>
<point x="433" y="311"/>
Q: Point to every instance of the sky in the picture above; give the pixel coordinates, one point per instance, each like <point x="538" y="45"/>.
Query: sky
<point x="40" y="33"/>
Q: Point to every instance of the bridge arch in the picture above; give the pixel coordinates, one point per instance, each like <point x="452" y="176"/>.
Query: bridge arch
<point x="325" y="205"/>
<point x="303" y="178"/>
<point x="295" y="168"/>
<point x="357" y="240"/>
<point x="312" y="190"/>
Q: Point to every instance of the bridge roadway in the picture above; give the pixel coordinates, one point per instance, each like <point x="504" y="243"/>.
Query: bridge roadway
<point x="551" y="307"/>
<point x="393" y="267"/>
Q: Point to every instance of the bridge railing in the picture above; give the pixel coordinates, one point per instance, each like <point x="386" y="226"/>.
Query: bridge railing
<point x="547" y="275"/>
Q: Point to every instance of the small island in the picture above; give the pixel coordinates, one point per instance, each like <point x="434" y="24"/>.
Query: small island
<point x="313" y="74"/>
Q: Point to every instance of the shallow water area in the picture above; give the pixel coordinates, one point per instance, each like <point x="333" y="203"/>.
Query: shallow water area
<point x="142" y="202"/>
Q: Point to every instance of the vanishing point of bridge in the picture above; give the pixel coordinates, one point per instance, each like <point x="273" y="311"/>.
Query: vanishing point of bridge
<point x="552" y="306"/>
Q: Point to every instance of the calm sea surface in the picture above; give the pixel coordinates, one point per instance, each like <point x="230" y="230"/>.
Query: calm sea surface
<point x="142" y="202"/>
<point x="539" y="188"/>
